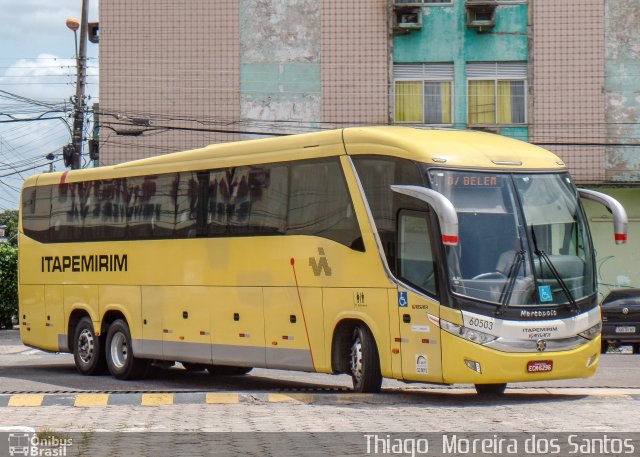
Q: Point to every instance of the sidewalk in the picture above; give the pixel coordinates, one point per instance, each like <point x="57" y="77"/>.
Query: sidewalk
<point x="398" y="397"/>
<point x="437" y="412"/>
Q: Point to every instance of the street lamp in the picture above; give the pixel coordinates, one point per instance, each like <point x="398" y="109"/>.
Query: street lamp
<point x="74" y="24"/>
<point x="73" y="152"/>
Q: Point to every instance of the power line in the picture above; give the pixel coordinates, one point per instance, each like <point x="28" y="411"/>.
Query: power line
<point x="30" y="168"/>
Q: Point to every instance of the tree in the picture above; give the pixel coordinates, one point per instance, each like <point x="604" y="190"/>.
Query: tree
<point x="9" y="218"/>
<point x="8" y="284"/>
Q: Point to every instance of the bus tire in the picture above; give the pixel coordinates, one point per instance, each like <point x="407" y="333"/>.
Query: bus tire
<point x="224" y="370"/>
<point x="88" y="354"/>
<point x="120" y="359"/>
<point x="491" y="389"/>
<point x="604" y="346"/>
<point x="364" y="361"/>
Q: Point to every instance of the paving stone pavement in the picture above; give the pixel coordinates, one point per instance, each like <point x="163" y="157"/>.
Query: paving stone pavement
<point x="437" y="412"/>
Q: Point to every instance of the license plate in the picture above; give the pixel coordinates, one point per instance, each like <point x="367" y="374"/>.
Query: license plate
<point x="625" y="330"/>
<point x="539" y="366"/>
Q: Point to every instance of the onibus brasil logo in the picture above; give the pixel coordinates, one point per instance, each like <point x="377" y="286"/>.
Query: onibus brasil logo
<point x="34" y="445"/>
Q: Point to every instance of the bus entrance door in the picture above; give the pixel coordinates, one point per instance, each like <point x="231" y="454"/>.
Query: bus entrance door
<point x="419" y="338"/>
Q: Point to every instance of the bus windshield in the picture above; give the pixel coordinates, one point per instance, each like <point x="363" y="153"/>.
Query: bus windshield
<point x="522" y="238"/>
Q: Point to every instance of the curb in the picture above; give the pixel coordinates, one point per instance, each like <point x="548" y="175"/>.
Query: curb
<point x="434" y="397"/>
<point x="85" y="400"/>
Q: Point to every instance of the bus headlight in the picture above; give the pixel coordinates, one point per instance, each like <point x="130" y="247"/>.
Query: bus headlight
<point x="592" y="332"/>
<point x="475" y="336"/>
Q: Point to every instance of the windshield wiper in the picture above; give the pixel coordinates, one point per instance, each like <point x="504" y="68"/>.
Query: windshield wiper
<point x="509" y="286"/>
<point x="543" y="255"/>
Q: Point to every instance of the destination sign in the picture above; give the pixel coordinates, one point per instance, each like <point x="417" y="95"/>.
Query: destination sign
<point x="458" y="180"/>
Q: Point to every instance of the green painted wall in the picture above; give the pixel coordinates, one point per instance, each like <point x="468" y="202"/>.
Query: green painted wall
<point x="445" y="38"/>
<point x="280" y="61"/>
<point x="622" y="67"/>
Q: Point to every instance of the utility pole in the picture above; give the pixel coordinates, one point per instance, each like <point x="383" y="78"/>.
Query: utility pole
<point x="80" y="106"/>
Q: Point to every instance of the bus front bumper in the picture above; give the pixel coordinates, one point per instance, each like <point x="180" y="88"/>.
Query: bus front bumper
<point x="464" y="362"/>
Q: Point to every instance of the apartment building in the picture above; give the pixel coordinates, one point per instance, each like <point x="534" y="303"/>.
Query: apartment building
<point x="561" y="74"/>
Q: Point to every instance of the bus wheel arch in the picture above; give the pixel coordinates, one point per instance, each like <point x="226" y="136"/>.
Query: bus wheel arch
<point x="354" y="351"/>
<point x="109" y="318"/>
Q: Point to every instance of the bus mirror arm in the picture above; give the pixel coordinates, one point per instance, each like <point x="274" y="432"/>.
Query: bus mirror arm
<point x="618" y="212"/>
<point x="443" y="207"/>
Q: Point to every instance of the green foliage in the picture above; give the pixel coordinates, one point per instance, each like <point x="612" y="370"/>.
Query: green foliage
<point x="8" y="284"/>
<point x="10" y="219"/>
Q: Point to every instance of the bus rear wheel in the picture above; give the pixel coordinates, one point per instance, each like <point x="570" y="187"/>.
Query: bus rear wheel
<point x="87" y="349"/>
<point x="120" y="359"/>
<point x="364" y="361"/>
<point x="491" y="389"/>
<point x="224" y="370"/>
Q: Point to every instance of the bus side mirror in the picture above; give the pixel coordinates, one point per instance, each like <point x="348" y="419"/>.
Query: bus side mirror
<point x="618" y="212"/>
<point x="443" y="207"/>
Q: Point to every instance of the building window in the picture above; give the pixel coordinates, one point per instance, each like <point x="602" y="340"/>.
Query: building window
<point x="424" y="93"/>
<point x="497" y="93"/>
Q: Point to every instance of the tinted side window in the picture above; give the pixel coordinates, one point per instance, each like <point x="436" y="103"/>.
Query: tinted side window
<point x="36" y="208"/>
<point x="151" y="206"/>
<point x="377" y="174"/>
<point x="67" y="211"/>
<point x="320" y="204"/>
<point x="303" y="198"/>
<point x="258" y="204"/>
<point x="187" y="205"/>
<point x="109" y="217"/>
<point x="220" y="192"/>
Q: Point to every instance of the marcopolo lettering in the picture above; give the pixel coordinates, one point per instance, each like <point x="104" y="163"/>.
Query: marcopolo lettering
<point x="84" y="263"/>
<point x="539" y="313"/>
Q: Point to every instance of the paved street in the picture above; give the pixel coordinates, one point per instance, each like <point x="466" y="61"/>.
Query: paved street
<point x="24" y="369"/>
<point x="268" y="400"/>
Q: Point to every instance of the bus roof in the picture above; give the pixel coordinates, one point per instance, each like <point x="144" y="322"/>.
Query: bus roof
<point x="454" y="148"/>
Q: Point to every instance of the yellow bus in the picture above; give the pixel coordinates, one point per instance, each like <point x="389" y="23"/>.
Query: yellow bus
<point x="381" y="252"/>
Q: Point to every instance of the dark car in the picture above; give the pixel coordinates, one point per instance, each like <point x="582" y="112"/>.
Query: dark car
<point x="621" y="319"/>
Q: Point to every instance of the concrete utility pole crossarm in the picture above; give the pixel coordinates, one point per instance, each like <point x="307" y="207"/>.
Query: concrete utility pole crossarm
<point x="80" y="106"/>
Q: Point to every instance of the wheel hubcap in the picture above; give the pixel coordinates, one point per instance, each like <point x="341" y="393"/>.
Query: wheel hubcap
<point x="356" y="358"/>
<point x="119" y="350"/>
<point x="86" y="345"/>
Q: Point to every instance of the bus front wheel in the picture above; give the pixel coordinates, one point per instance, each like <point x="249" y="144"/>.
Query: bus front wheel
<point x="364" y="361"/>
<point x="87" y="349"/>
<point x="120" y="359"/>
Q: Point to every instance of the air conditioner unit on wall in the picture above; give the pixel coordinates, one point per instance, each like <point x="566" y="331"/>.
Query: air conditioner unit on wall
<point x="481" y="14"/>
<point x="407" y="17"/>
